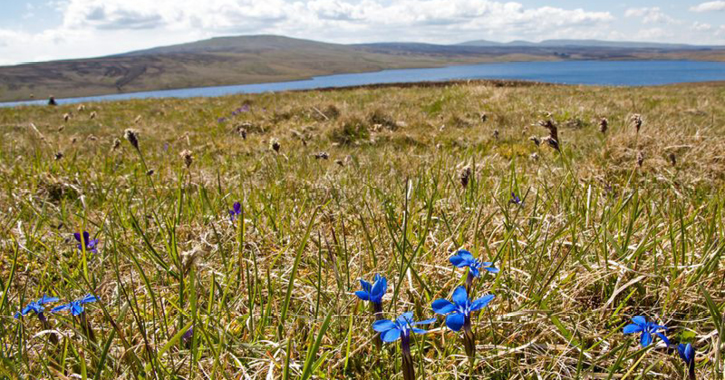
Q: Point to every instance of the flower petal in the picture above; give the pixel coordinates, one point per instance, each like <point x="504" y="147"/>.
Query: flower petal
<point x="664" y="338"/>
<point x="405" y="318"/>
<point x="76" y="309"/>
<point x="363" y="295"/>
<point x="465" y="255"/>
<point x="425" y="322"/>
<point x="379" y="288"/>
<point x="77" y="236"/>
<point x="640" y="320"/>
<point x="455" y="321"/>
<point x="442" y="306"/>
<point x="391" y="335"/>
<point x="45" y="299"/>
<point x="633" y="328"/>
<point x="460" y="296"/>
<point x="457" y="261"/>
<point x="645" y="339"/>
<point x="474" y="271"/>
<point x="88" y="298"/>
<point x="366" y="286"/>
<point x="383" y="325"/>
<point x="482" y="302"/>
<point x="419" y="331"/>
<point x="61" y="308"/>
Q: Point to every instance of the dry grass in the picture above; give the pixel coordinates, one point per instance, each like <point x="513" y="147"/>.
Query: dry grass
<point x="597" y="240"/>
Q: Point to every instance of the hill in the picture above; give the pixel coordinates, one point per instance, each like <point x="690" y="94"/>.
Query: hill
<point x="265" y="58"/>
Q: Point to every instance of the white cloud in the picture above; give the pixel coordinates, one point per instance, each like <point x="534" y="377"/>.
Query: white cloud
<point x="650" y="15"/>
<point x="710" y="6"/>
<point x="701" y="27"/>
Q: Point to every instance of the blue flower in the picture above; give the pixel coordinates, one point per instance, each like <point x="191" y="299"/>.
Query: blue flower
<point x="390" y="331"/>
<point x="235" y="211"/>
<point x="221" y="119"/>
<point x="687" y="353"/>
<point x="464" y="258"/>
<point x="459" y="311"/>
<point x="373" y="292"/>
<point x="515" y="199"/>
<point x="76" y="307"/>
<point x="36" y="306"/>
<point x="90" y="245"/>
<point x="646" y="329"/>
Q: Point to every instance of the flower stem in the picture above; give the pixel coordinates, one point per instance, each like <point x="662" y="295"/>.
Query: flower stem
<point x="408" y="369"/>
<point x="378" y="312"/>
<point x="469" y="283"/>
<point x="86" y="327"/>
<point x="469" y="341"/>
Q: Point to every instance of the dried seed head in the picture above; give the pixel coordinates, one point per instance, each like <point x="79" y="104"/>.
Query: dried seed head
<point x="484" y="117"/>
<point x="62" y="127"/>
<point x="322" y="156"/>
<point x="534" y="156"/>
<point x="603" y="125"/>
<point x="553" y="131"/>
<point x="187" y="157"/>
<point x="58" y="156"/>
<point x="81" y="108"/>
<point x="116" y="144"/>
<point x="340" y="162"/>
<point x="466" y="176"/>
<point x="552" y="143"/>
<point x="51" y="101"/>
<point x="93" y="115"/>
<point x="536" y="140"/>
<point x="131" y="135"/>
<point x="495" y="134"/>
<point x="150" y="172"/>
<point x="640" y="158"/>
<point x="275" y="145"/>
<point x="66" y="117"/>
<point x="673" y="159"/>
<point x="637" y="121"/>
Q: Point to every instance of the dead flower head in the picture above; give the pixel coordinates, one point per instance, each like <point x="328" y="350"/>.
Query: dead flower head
<point x="466" y="176"/>
<point x="603" y="125"/>
<point x="187" y="157"/>
<point x="131" y="135"/>
<point x="637" y="121"/>
<point x="275" y="145"/>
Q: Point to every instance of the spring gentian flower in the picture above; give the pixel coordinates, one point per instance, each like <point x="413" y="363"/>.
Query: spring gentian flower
<point x="646" y="329"/>
<point x="373" y="292"/>
<point x="36" y="307"/>
<point x="90" y="245"/>
<point x="459" y="315"/>
<point x="76" y="307"/>
<point x="459" y="311"/>
<point x="515" y="199"/>
<point x="687" y="353"/>
<point x="390" y="331"/>
<point x="463" y="258"/>
<point x="235" y="211"/>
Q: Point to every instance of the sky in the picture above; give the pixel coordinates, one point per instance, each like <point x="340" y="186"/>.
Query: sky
<point x="41" y="30"/>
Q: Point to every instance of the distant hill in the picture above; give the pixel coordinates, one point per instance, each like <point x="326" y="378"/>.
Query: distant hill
<point x="267" y="58"/>
<point x="587" y="43"/>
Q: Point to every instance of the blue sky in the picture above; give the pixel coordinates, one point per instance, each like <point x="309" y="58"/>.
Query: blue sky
<point x="36" y="30"/>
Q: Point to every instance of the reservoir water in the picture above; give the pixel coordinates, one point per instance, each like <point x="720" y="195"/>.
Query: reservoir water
<point x="609" y="73"/>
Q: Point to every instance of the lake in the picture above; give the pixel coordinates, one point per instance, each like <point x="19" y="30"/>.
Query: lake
<point x="609" y="73"/>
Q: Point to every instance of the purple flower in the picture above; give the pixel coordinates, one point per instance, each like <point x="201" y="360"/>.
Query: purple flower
<point x="459" y="311"/>
<point x="464" y="258"/>
<point x="36" y="307"/>
<point x="402" y="327"/>
<point x="373" y="292"/>
<point x="221" y="119"/>
<point x="646" y="329"/>
<point x="515" y="199"/>
<point x="235" y="211"/>
<point x="90" y="245"/>
<point x="76" y="307"/>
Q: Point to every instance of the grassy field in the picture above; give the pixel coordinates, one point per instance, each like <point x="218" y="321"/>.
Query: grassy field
<point x="615" y="225"/>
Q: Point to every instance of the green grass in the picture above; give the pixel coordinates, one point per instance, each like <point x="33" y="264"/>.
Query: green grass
<point x="597" y="240"/>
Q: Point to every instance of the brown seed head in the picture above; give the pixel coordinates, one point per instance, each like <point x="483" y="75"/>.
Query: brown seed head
<point x="640" y="158"/>
<point x="275" y="145"/>
<point x="603" y="125"/>
<point x="131" y="135"/>
<point x="466" y="174"/>
<point x="637" y="121"/>
<point x="673" y="159"/>
<point x="187" y="157"/>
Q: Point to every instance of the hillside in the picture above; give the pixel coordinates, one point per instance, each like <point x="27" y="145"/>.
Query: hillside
<point x="258" y="59"/>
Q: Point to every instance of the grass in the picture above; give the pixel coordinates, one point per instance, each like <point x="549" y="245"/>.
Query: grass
<point x="598" y="239"/>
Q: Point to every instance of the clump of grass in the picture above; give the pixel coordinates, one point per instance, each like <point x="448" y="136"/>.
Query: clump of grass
<point x="350" y="131"/>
